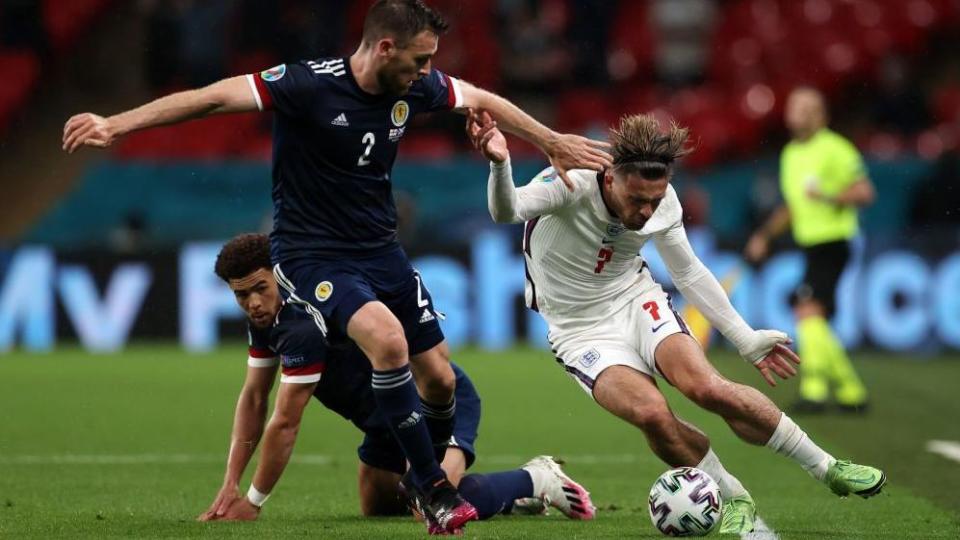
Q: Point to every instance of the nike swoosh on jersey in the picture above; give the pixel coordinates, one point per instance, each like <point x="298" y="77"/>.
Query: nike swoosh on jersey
<point x="659" y="326"/>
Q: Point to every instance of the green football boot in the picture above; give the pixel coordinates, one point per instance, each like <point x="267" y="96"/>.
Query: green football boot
<point x="738" y="515"/>
<point x="845" y="478"/>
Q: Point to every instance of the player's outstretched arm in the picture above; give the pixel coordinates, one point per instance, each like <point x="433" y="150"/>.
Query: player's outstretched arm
<point x="566" y="151"/>
<point x="248" y="422"/>
<point x="278" y="441"/>
<point x="506" y="203"/>
<point x="226" y="96"/>
<point x="766" y="349"/>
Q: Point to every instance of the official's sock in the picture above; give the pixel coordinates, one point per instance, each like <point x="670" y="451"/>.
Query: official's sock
<point x="849" y="388"/>
<point x="729" y="485"/>
<point x="494" y="493"/>
<point x="398" y="401"/>
<point x="813" y="336"/>
<point x="440" y="422"/>
<point x="791" y="441"/>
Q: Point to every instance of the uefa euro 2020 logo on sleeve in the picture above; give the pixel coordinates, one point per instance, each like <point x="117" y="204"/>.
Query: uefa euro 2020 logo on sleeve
<point x="274" y="74"/>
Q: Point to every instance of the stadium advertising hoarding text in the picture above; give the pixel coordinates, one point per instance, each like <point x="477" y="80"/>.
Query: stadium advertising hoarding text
<point x="894" y="300"/>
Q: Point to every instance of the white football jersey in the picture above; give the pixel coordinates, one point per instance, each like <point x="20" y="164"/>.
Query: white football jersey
<point x="582" y="263"/>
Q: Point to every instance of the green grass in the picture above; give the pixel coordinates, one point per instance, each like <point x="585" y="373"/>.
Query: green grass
<point x="157" y="401"/>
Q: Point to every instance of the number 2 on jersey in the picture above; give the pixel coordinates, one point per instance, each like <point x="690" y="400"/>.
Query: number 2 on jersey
<point x="369" y="139"/>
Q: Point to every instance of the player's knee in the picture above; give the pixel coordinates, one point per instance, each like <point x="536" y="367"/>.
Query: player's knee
<point x="391" y="350"/>
<point x="653" y="420"/>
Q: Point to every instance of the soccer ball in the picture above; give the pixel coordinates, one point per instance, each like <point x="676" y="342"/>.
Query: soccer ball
<point x="685" y="502"/>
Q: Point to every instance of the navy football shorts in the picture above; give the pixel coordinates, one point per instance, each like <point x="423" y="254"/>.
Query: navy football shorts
<point x="338" y="288"/>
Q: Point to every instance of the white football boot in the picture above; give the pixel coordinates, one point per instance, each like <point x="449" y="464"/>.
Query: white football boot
<point x="552" y="487"/>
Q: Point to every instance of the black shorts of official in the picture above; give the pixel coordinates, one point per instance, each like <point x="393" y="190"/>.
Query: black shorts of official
<point x="825" y="264"/>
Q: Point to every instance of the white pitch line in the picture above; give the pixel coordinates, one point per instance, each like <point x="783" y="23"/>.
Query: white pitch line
<point x="761" y="531"/>
<point x="947" y="449"/>
<point x="305" y="459"/>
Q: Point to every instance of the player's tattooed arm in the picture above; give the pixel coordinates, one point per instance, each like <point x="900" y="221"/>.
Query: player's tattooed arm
<point x="566" y="151"/>
<point x="248" y="423"/>
<point x="226" y="96"/>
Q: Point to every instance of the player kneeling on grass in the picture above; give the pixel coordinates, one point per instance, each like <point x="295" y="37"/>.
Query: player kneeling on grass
<point x="339" y="375"/>
<point x="613" y="328"/>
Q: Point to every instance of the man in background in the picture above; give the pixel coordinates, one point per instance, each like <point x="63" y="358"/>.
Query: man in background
<point x="824" y="183"/>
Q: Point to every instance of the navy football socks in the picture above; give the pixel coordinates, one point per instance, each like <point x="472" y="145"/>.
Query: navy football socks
<point x="440" y="422"/>
<point x="396" y="396"/>
<point x="494" y="493"/>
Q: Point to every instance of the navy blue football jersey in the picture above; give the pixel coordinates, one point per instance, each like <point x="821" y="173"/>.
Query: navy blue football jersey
<point x="334" y="146"/>
<point x="297" y="340"/>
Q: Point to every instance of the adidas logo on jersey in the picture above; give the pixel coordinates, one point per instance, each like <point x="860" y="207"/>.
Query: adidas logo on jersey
<point x="427" y="316"/>
<point x="341" y="121"/>
<point x="411" y="420"/>
<point x="333" y="67"/>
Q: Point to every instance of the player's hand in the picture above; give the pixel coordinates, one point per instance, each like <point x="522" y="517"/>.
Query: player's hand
<point x="768" y="351"/>
<point x="225" y="497"/>
<point x="88" y="129"/>
<point x="240" y="510"/>
<point x="484" y="136"/>
<point x="568" y="152"/>
<point x="757" y="248"/>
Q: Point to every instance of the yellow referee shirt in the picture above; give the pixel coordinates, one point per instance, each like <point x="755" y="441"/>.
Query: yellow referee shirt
<point x="832" y="163"/>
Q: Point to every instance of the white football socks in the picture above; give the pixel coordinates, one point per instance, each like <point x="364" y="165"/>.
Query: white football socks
<point x="791" y="441"/>
<point x="729" y="485"/>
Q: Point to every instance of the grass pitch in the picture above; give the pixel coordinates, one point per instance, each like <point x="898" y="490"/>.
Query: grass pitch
<point x="133" y="445"/>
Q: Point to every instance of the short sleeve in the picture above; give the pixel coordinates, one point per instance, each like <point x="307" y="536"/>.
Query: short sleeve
<point x="303" y="352"/>
<point x="849" y="165"/>
<point x="441" y="91"/>
<point x="260" y="354"/>
<point x="287" y="88"/>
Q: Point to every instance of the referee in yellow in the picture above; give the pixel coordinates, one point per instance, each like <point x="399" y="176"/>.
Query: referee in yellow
<point x="824" y="183"/>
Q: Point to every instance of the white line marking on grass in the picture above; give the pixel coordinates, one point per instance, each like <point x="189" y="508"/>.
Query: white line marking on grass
<point x="139" y="459"/>
<point x="947" y="449"/>
<point x="305" y="459"/>
<point x="761" y="531"/>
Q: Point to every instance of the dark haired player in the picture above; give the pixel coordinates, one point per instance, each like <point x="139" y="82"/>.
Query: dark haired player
<point x="283" y="334"/>
<point x="613" y="328"/>
<point x="334" y="244"/>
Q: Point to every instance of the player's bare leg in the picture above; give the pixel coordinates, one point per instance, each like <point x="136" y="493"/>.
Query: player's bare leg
<point x="751" y="414"/>
<point x="435" y="378"/>
<point x="378" y="492"/>
<point x="634" y="397"/>
<point x="756" y="419"/>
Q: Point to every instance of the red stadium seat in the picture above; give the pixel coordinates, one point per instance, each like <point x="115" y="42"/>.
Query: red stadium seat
<point x="20" y="70"/>
<point x="66" y="21"/>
